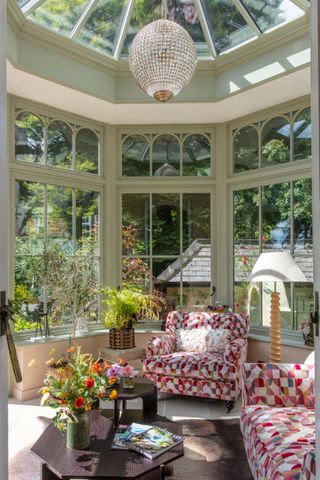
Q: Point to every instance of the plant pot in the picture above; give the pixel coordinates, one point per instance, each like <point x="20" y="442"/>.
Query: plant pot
<point x="78" y="433"/>
<point x="121" y="338"/>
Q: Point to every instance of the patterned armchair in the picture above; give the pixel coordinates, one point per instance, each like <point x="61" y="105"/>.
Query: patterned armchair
<point x="211" y="375"/>
<point x="278" y="420"/>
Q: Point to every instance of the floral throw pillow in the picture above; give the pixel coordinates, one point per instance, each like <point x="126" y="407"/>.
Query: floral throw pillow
<point x="202" y="340"/>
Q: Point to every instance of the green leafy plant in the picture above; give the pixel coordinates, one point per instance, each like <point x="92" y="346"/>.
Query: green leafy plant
<point x="125" y="306"/>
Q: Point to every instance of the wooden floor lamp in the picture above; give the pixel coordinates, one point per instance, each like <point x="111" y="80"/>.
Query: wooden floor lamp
<point x="276" y="267"/>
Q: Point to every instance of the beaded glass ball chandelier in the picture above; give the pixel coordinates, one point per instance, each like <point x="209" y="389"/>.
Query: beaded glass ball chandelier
<point x="163" y="58"/>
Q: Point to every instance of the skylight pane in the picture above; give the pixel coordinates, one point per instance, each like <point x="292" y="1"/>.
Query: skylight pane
<point x="103" y="25"/>
<point x="21" y="2"/>
<point x="227" y="26"/>
<point x="59" y="15"/>
<point x="181" y="11"/>
<point x="268" y="14"/>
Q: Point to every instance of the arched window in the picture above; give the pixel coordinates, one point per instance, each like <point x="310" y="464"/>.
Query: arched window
<point x="135" y="156"/>
<point x="302" y="135"/>
<point x="166" y="156"/>
<point x="59" y="152"/>
<point x="87" y="151"/>
<point x="246" y="149"/>
<point x="196" y="155"/>
<point x="275" y="142"/>
<point x="29" y="138"/>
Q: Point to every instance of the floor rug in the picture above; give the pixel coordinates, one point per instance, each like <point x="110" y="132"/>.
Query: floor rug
<point x="213" y="451"/>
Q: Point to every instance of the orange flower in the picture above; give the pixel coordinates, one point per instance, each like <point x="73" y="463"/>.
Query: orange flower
<point x="100" y="395"/>
<point x="70" y="349"/>
<point x="113" y="395"/>
<point x="89" y="382"/>
<point x="87" y="408"/>
<point x="112" y="380"/>
<point x="96" y="367"/>
<point x="122" y="362"/>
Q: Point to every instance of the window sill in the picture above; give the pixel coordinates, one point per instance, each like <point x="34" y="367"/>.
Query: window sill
<point x="290" y="339"/>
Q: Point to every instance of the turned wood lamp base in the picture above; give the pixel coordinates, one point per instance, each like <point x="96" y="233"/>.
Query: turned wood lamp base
<point x="275" y="329"/>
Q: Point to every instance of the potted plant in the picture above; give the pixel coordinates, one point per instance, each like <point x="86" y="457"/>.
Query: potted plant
<point x="124" y="307"/>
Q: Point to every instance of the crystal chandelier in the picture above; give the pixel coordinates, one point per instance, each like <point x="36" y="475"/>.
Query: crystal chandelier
<point x="163" y="59"/>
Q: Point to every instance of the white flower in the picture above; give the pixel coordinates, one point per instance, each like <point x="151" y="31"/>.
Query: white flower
<point x="102" y="389"/>
<point x="44" y="398"/>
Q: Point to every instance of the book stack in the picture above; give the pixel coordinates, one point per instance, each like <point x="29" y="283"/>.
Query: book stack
<point x="149" y="440"/>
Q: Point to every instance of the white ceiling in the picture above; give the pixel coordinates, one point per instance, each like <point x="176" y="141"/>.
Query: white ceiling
<point x="268" y="94"/>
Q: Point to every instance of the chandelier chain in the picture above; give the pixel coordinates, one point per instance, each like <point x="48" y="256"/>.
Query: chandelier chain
<point x="164" y="9"/>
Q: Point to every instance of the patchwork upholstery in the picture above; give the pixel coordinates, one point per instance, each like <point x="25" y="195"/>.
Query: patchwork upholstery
<point x="278" y="420"/>
<point x="207" y="374"/>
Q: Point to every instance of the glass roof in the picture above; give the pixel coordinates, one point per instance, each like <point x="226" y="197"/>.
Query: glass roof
<point x="216" y="26"/>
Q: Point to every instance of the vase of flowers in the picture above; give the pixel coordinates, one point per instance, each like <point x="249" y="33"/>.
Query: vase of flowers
<point x="122" y="371"/>
<point x="72" y="389"/>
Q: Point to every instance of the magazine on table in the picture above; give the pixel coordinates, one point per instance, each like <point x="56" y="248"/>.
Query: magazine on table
<point x="124" y="432"/>
<point x="152" y="442"/>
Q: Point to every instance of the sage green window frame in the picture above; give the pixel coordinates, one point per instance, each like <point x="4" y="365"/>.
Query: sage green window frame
<point x="258" y="124"/>
<point x="42" y="173"/>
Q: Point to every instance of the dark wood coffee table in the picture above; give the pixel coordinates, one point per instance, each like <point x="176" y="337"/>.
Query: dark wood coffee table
<point x="99" y="461"/>
<point x="144" y="389"/>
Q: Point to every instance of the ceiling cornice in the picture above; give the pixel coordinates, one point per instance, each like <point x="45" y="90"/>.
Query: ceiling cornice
<point x="49" y="39"/>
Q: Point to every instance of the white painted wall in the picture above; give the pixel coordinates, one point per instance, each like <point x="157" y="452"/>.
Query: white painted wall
<point x="3" y="245"/>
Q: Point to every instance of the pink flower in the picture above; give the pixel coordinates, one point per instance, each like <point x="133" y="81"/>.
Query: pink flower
<point x="128" y="371"/>
<point x="114" y="370"/>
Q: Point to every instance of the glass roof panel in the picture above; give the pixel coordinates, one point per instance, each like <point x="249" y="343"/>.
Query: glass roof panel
<point x="22" y="2"/>
<point x="227" y="26"/>
<point x="59" y="15"/>
<point x="180" y="11"/>
<point x="268" y="14"/>
<point x="103" y="24"/>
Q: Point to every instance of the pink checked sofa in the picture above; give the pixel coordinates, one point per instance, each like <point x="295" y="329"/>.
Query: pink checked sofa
<point x="278" y="420"/>
<point x="211" y="375"/>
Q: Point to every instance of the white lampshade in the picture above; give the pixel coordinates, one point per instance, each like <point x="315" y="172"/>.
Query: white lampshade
<point x="276" y="267"/>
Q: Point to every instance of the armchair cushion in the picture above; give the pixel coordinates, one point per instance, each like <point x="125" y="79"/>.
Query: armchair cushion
<point x="164" y="345"/>
<point x="192" y="365"/>
<point x="277" y="439"/>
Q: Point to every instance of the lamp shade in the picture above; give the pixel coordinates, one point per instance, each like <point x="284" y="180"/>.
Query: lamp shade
<point x="276" y="267"/>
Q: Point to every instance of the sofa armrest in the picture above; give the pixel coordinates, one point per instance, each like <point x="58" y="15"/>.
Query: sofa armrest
<point x="278" y="384"/>
<point x="236" y="351"/>
<point x="164" y="345"/>
<point x="309" y="467"/>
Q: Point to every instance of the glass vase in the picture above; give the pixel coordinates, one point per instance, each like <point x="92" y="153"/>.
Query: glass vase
<point x="127" y="382"/>
<point x="78" y="433"/>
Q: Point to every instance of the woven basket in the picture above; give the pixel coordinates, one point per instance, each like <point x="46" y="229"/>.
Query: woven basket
<point x="121" y="338"/>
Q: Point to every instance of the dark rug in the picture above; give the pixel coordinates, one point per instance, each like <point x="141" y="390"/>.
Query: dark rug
<point x="213" y="451"/>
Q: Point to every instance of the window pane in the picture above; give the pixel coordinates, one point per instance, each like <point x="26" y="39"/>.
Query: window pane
<point x="269" y="14"/>
<point x="60" y="15"/>
<point x="227" y="27"/>
<point x="29" y="138"/>
<point x="60" y="216"/>
<point x="135" y="224"/>
<point x="196" y="278"/>
<point x="59" y="145"/>
<point x="136" y="271"/>
<point x="103" y="24"/>
<point x="166" y="156"/>
<point x="29" y="217"/>
<point x="196" y="155"/>
<point x="136" y="156"/>
<point x="166" y="278"/>
<point x="243" y="266"/>
<point x="302" y="135"/>
<point x="302" y="208"/>
<point x="276" y="142"/>
<point x="166" y="224"/>
<point x="247" y="297"/>
<point x="276" y="208"/>
<point x="246" y="149"/>
<point x="246" y="221"/>
<point x="196" y="223"/>
<point x="303" y="303"/>
<point x="87" y="220"/>
<point x="87" y="151"/>
<point x="284" y="290"/>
